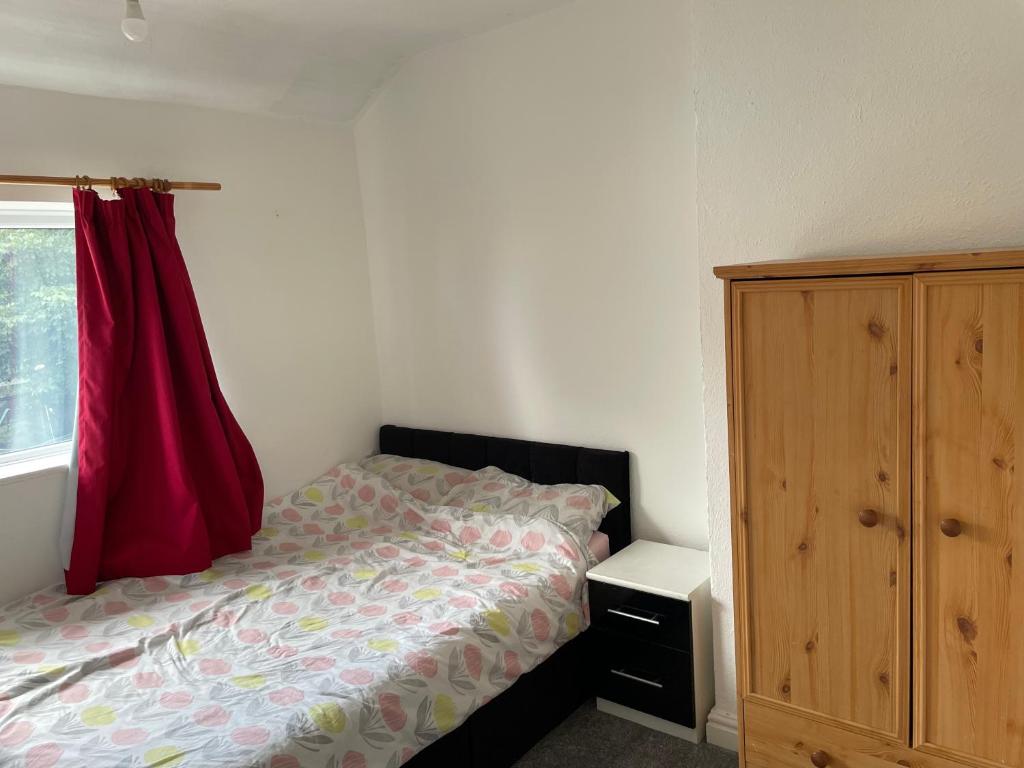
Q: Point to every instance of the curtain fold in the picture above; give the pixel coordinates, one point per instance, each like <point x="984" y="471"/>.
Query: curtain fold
<point x="167" y="480"/>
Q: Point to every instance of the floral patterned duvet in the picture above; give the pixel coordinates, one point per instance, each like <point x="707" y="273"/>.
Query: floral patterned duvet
<point x="363" y="625"/>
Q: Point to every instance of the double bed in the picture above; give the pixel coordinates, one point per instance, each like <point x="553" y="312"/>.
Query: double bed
<point x="367" y="627"/>
<point x="545" y="696"/>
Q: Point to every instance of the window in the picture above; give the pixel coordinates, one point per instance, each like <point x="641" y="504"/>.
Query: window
<point x="38" y="329"/>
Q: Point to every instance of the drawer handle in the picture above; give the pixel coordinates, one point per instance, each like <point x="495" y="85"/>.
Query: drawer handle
<point x="820" y="758"/>
<point x="635" y="679"/>
<point x="628" y="615"/>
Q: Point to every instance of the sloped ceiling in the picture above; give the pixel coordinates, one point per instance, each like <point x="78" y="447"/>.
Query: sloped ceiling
<point x="319" y="59"/>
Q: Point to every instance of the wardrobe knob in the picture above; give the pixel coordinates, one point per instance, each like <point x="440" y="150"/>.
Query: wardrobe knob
<point x="868" y="518"/>
<point x="951" y="527"/>
<point x="820" y="758"/>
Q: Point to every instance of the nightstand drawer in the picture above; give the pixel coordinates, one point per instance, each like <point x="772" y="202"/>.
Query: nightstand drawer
<point x="642" y="615"/>
<point x="645" y="676"/>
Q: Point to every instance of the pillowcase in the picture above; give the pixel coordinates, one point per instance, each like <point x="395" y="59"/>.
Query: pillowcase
<point x="428" y="481"/>
<point x="577" y="508"/>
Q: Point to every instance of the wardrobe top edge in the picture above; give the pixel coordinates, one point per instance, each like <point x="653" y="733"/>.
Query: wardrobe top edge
<point x="842" y="266"/>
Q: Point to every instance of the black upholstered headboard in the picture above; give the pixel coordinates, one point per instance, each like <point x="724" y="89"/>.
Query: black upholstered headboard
<point x="546" y="463"/>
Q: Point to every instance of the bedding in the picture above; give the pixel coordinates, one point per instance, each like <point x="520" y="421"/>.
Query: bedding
<point x="577" y="508"/>
<point x="600" y="546"/>
<point x="428" y="481"/>
<point x="363" y="625"/>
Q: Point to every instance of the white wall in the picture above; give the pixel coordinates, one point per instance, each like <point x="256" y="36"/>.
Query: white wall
<point x="845" y="128"/>
<point x="532" y="207"/>
<point x="529" y="205"/>
<point x="277" y="260"/>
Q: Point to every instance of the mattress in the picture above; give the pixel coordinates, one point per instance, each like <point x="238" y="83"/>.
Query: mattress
<point x="362" y="626"/>
<point x="600" y="546"/>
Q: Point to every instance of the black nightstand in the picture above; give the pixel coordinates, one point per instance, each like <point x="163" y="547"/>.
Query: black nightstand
<point x="651" y="649"/>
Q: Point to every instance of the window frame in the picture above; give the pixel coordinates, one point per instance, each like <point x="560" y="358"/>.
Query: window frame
<point x="26" y="214"/>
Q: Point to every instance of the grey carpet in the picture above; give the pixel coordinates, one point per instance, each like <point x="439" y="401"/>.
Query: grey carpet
<point x="593" y="738"/>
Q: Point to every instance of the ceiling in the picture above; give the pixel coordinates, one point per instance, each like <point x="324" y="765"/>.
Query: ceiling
<point x="320" y="59"/>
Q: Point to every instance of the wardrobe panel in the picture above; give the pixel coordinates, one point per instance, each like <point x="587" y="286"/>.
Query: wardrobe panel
<point x="821" y="429"/>
<point x="969" y="516"/>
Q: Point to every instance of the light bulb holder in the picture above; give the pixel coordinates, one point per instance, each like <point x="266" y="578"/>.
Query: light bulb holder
<point x="134" y="24"/>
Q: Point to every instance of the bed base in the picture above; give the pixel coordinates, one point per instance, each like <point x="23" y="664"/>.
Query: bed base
<point x="504" y="729"/>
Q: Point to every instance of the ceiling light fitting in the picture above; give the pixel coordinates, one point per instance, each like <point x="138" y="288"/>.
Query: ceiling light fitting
<point x="134" y="23"/>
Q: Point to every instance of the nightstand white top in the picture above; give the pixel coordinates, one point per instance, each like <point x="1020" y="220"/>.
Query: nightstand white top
<point x="660" y="569"/>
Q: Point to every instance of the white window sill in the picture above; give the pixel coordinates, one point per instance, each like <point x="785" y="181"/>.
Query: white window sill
<point x="38" y="465"/>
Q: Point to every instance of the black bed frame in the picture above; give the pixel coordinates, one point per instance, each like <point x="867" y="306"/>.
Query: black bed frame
<point x="543" y="697"/>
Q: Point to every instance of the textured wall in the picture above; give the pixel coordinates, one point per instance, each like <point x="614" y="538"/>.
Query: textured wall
<point x="845" y="128"/>
<point x="529" y="208"/>
<point x="278" y="262"/>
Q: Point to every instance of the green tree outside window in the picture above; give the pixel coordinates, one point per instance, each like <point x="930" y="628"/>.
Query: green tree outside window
<point x="38" y="337"/>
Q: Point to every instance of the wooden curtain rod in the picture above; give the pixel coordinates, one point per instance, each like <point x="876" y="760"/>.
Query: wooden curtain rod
<point x="114" y="182"/>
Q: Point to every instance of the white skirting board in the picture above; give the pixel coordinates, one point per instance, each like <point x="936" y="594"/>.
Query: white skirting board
<point x="650" y="721"/>
<point x="723" y="730"/>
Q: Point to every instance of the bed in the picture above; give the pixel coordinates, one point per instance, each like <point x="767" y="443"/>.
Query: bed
<point x="545" y="696"/>
<point x="363" y="626"/>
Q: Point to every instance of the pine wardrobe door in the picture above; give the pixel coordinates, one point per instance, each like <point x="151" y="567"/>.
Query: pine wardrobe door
<point x="969" y="516"/>
<point x="821" y="451"/>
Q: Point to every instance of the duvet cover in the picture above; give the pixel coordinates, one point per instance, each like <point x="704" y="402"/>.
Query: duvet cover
<point x="363" y="625"/>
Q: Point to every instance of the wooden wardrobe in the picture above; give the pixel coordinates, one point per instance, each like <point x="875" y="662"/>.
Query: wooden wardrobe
<point x="874" y="406"/>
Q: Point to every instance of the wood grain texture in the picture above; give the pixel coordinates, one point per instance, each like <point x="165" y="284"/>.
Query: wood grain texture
<point x="821" y="413"/>
<point x="740" y="612"/>
<point x="114" y="182"/>
<point x="875" y="265"/>
<point x="969" y="597"/>
<point x="777" y="738"/>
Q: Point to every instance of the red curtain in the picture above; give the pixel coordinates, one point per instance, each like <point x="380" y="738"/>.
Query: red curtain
<point x="167" y="480"/>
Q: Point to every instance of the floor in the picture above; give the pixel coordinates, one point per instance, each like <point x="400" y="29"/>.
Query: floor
<point x="589" y="737"/>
